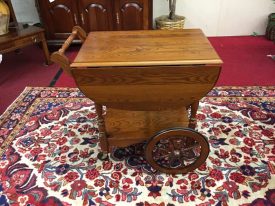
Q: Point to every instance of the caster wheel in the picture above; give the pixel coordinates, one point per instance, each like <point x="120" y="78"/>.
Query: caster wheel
<point x="177" y="150"/>
<point x="103" y="156"/>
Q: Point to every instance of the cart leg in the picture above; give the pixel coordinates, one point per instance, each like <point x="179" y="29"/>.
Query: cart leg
<point x="193" y="119"/>
<point x="103" y="155"/>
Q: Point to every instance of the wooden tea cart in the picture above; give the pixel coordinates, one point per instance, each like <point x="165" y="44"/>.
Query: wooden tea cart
<point x="147" y="80"/>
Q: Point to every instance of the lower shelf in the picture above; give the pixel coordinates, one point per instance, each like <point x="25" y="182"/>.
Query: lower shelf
<point x="129" y="127"/>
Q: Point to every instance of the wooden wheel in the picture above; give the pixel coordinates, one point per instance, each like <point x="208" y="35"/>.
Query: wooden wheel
<point x="177" y="150"/>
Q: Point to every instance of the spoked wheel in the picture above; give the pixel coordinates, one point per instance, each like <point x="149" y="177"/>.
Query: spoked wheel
<point x="177" y="150"/>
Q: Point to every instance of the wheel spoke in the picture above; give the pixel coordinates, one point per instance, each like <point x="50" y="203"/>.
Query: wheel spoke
<point x="177" y="151"/>
<point x="190" y="148"/>
<point x="163" y="150"/>
<point x="177" y="142"/>
<point x="182" y="162"/>
<point x="161" y="156"/>
<point x="175" y="162"/>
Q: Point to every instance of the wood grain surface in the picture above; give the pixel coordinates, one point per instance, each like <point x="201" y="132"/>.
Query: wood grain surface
<point x="145" y="48"/>
<point x="19" y="37"/>
<point x="146" y="88"/>
<point x="129" y="127"/>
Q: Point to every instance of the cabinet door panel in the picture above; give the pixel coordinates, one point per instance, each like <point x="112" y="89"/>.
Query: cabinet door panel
<point x="96" y="15"/>
<point x="59" y="17"/>
<point x="132" y="14"/>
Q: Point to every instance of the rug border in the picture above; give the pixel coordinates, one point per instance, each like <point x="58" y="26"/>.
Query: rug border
<point x="29" y="88"/>
<point x="22" y="95"/>
<point x="14" y="103"/>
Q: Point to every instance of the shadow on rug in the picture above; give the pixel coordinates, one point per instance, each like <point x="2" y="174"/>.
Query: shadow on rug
<point x="49" y="143"/>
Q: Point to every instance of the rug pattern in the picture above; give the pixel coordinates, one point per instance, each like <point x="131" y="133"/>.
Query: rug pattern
<point x="49" y="143"/>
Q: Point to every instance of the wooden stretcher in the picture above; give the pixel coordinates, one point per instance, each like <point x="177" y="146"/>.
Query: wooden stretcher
<point x="148" y="81"/>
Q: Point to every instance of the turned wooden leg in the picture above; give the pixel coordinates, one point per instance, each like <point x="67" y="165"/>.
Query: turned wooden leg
<point x="193" y="119"/>
<point x="103" y="155"/>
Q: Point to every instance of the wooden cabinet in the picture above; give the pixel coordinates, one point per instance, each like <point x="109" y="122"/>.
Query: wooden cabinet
<point x="132" y="15"/>
<point x="95" y="15"/>
<point x="59" y="16"/>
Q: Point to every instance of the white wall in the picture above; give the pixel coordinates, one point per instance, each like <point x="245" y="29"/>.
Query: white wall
<point x="250" y="16"/>
<point x="214" y="17"/>
<point x="25" y="11"/>
<point x="222" y="17"/>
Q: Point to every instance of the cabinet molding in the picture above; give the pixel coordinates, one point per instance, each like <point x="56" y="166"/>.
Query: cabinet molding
<point x="59" y="16"/>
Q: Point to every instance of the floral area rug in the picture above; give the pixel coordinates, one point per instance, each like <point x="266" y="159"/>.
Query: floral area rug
<point x="49" y="146"/>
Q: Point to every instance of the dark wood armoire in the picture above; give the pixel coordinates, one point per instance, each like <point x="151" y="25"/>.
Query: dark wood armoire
<point x="59" y="16"/>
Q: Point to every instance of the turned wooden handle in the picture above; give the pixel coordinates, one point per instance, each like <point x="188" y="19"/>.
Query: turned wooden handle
<point x="77" y="31"/>
<point x="59" y="56"/>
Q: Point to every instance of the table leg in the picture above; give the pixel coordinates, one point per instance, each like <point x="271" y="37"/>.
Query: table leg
<point x="102" y="134"/>
<point x="193" y="119"/>
<point x="46" y="50"/>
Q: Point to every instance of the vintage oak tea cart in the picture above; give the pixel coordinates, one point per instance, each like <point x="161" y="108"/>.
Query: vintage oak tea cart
<point x="147" y="80"/>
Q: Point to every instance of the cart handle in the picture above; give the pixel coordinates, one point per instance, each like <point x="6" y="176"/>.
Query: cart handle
<point x="59" y="57"/>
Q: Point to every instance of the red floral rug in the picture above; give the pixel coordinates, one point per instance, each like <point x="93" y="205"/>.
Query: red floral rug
<point x="49" y="144"/>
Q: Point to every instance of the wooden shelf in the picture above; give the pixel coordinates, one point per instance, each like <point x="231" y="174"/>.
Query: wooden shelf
<point x="128" y="127"/>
